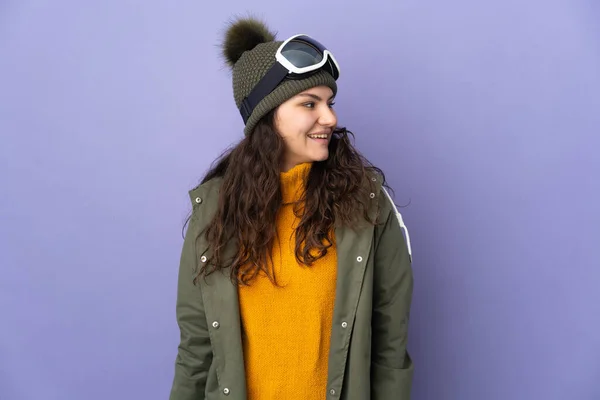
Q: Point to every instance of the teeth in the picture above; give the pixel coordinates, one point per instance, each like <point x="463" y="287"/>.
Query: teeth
<point x="318" y="136"/>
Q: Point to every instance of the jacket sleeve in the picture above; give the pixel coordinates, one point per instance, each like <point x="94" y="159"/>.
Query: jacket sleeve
<point x="194" y="354"/>
<point x="391" y="365"/>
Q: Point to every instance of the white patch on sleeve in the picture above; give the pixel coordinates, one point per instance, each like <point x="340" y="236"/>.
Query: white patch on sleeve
<point x="401" y="222"/>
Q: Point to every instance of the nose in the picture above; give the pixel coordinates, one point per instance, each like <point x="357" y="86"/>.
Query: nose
<point x="327" y="117"/>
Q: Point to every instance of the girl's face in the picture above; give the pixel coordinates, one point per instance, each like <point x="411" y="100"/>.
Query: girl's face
<point x="306" y="122"/>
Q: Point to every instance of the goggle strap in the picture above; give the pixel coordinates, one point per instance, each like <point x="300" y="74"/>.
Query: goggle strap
<point x="266" y="85"/>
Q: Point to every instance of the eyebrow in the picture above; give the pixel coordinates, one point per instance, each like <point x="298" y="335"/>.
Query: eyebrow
<point x="314" y="96"/>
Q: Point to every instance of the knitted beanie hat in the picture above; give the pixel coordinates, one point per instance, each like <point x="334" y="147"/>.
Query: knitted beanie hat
<point x="249" y="48"/>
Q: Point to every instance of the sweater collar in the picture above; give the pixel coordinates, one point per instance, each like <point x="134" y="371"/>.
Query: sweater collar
<point x="293" y="182"/>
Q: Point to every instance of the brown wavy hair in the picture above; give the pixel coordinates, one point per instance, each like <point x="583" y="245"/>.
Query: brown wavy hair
<point x="337" y="193"/>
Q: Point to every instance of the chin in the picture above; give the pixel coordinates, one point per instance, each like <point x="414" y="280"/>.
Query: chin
<point x="321" y="157"/>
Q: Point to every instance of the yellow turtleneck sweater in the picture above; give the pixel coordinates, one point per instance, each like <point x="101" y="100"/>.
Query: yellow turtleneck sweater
<point x="286" y="330"/>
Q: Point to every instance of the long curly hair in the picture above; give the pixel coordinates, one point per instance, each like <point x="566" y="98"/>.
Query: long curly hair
<point x="337" y="193"/>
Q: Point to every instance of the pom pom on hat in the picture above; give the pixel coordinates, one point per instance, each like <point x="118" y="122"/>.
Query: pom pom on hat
<point x="243" y="35"/>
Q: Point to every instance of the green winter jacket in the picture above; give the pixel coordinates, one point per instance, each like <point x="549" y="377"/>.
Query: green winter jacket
<point x="368" y="358"/>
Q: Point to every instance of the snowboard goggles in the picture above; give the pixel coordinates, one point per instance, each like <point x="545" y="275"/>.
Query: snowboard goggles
<point x="298" y="57"/>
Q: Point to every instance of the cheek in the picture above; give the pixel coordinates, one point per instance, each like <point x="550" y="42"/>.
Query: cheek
<point x="296" y="130"/>
<point x="294" y="126"/>
<point x="304" y="124"/>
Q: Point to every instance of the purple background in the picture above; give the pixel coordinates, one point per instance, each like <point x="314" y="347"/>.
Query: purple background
<point x="484" y="115"/>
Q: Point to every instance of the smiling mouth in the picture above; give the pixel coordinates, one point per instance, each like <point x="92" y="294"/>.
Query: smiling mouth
<point x="320" y="136"/>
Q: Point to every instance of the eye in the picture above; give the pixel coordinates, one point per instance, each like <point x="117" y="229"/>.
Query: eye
<point x="332" y="104"/>
<point x="309" y="105"/>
